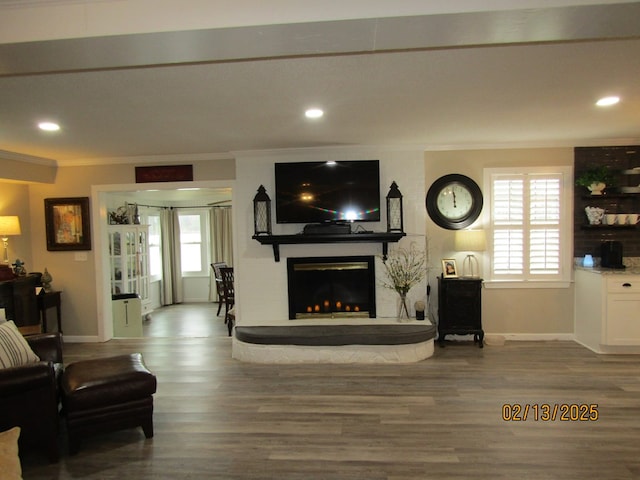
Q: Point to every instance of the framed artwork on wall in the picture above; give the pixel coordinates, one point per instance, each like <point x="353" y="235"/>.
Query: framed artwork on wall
<point x="449" y="268"/>
<point x="67" y="223"/>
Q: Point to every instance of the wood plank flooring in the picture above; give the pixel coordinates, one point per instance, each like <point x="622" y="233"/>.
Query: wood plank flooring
<point x="440" y="418"/>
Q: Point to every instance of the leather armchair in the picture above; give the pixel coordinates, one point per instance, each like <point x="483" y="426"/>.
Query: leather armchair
<point x="29" y="396"/>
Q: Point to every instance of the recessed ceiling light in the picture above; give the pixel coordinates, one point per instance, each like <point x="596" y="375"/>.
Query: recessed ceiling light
<point x="314" y="113"/>
<point x="49" y="126"/>
<point x="607" y="101"/>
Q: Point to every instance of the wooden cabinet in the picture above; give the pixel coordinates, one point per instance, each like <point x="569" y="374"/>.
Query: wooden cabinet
<point x="18" y="299"/>
<point x="460" y="308"/>
<point x="607" y="311"/>
<point x="129" y="261"/>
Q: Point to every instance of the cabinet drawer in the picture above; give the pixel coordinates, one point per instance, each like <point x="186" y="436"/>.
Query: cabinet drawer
<point x="624" y="284"/>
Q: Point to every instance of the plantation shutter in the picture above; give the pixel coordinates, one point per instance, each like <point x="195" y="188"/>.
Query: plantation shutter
<point x="526" y="214"/>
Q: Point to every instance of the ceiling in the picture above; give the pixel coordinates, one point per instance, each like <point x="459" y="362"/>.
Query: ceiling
<point x="526" y="77"/>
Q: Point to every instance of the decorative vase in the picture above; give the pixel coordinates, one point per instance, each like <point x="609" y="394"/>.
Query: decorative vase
<point x="46" y="280"/>
<point x="403" y="311"/>
<point x="594" y="215"/>
<point x="596" y="188"/>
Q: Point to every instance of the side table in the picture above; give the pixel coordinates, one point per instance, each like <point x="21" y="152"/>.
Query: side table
<point x="48" y="300"/>
<point x="460" y="308"/>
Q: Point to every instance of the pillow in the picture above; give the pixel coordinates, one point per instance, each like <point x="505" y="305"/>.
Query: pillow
<point x="9" y="460"/>
<point x="14" y="349"/>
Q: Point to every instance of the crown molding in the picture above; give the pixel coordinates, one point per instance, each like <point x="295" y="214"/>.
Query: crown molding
<point x="20" y="157"/>
<point x="147" y="159"/>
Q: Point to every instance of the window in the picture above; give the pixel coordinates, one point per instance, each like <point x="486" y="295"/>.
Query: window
<point x="155" y="255"/>
<point x="193" y="242"/>
<point x="529" y="226"/>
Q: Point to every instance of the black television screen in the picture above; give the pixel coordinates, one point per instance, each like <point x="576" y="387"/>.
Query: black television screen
<point x="317" y="192"/>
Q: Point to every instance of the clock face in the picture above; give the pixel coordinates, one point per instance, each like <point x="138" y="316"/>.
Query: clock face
<point x="454" y="201"/>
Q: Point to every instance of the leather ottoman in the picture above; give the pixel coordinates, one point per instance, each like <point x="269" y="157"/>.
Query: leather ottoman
<point x="107" y="394"/>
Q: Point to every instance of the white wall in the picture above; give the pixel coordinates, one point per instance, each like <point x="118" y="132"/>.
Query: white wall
<point x="261" y="283"/>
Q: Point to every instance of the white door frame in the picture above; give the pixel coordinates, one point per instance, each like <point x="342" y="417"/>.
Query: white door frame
<point x="99" y="195"/>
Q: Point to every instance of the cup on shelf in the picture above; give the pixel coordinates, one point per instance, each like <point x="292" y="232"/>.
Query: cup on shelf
<point x="632" y="218"/>
<point x="610" y="218"/>
<point x="622" y="218"/>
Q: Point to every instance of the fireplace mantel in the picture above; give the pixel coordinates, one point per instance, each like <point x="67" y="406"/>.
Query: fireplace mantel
<point x="381" y="237"/>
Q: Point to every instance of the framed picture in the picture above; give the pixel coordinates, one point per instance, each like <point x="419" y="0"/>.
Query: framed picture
<point x="67" y="223"/>
<point x="449" y="268"/>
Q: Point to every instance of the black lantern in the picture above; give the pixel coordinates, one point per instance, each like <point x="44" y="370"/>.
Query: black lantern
<point x="262" y="212"/>
<point x="394" y="209"/>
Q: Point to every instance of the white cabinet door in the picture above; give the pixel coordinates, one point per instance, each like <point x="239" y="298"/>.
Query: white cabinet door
<point x="623" y="319"/>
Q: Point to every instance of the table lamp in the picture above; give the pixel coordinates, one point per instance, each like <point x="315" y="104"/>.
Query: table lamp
<point x="470" y="241"/>
<point x="9" y="226"/>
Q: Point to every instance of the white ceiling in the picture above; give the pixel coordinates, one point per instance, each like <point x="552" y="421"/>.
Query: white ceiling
<point x="446" y="81"/>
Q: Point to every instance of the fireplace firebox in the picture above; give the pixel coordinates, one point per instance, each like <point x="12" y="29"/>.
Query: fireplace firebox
<point x="331" y="287"/>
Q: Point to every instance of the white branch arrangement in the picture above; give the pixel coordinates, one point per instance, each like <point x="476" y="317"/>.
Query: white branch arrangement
<point x="404" y="269"/>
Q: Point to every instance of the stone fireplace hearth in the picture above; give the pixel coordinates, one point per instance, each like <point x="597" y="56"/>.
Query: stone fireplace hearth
<point x="331" y="287"/>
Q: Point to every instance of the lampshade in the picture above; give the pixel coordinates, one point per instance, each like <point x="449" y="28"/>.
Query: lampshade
<point x="9" y="225"/>
<point x="470" y="241"/>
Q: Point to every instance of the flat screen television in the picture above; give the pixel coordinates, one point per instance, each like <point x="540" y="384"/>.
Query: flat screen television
<point x="324" y="192"/>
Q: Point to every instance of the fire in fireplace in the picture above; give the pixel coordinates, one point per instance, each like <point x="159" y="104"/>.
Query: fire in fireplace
<point x="331" y="287"/>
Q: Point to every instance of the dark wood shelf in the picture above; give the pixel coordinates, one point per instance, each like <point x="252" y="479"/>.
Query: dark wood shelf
<point x="616" y="227"/>
<point x="611" y="195"/>
<point x="300" y="239"/>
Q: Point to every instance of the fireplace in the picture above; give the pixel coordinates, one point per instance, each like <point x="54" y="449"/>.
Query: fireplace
<point x="331" y="287"/>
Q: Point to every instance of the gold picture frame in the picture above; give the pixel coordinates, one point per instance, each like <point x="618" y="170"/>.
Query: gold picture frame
<point x="449" y="268"/>
<point x="67" y="223"/>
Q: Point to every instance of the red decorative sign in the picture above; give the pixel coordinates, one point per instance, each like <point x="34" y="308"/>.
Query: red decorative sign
<point x="164" y="173"/>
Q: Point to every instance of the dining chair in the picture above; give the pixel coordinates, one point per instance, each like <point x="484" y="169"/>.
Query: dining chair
<point x="229" y="296"/>
<point x="216" y="266"/>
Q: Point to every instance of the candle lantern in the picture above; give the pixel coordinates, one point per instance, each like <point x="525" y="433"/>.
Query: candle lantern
<point x="262" y="212"/>
<point x="394" y="209"/>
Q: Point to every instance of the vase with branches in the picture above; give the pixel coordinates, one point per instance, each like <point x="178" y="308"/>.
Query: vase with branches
<point x="404" y="269"/>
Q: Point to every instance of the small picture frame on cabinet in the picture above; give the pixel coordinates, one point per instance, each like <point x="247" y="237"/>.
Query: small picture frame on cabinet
<point x="449" y="268"/>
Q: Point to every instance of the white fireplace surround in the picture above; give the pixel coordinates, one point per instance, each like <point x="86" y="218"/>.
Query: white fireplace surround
<point x="261" y="282"/>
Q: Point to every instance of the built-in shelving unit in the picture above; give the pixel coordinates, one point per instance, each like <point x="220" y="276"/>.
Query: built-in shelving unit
<point x="619" y="198"/>
<point x="129" y="261"/>
<point x="276" y="240"/>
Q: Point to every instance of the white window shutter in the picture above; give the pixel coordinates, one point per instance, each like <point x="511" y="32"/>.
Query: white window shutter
<point x="526" y="211"/>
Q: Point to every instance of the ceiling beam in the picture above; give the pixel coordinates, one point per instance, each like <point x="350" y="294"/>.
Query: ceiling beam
<point x="544" y="25"/>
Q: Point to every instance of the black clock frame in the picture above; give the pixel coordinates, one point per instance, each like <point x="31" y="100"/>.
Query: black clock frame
<point x="432" y="201"/>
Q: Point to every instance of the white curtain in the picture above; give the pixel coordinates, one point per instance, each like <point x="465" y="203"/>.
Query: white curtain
<point x="171" y="291"/>
<point x="221" y="243"/>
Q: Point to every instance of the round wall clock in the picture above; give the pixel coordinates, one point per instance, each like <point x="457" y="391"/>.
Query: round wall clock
<point x="454" y="201"/>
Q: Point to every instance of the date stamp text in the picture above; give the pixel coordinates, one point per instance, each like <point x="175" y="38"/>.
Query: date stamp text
<point x="550" y="412"/>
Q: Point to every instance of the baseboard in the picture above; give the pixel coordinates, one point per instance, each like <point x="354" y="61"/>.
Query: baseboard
<point x="537" y="337"/>
<point x="81" y="339"/>
<point x="519" y="337"/>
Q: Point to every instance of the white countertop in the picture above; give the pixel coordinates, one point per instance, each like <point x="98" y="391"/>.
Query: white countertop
<point x="610" y="271"/>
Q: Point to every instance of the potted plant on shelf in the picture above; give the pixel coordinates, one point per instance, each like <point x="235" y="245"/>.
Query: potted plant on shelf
<point x="596" y="179"/>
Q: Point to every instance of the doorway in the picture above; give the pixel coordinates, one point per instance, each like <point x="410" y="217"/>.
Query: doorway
<point x="180" y="194"/>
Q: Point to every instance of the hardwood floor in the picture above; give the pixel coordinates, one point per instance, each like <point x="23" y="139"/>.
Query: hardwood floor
<point x="184" y="320"/>
<point x="441" y="418"/>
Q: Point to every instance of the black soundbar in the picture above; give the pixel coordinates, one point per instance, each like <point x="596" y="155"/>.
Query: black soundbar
<point x="327" y="229"/>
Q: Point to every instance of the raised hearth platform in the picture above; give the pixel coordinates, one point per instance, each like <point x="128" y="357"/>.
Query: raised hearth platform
<point x="379" y="343"/>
